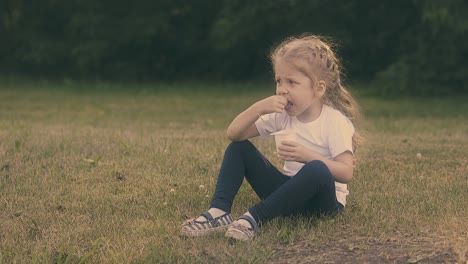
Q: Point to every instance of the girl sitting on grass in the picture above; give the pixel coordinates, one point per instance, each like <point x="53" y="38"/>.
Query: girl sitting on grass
<point x="311" y="100"/>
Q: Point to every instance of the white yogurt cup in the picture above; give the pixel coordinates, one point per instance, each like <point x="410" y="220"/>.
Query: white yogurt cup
<point x="284" y="135"/>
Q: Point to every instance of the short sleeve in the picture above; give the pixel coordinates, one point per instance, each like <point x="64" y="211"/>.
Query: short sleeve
<point x="266" y="124"/>
<point x="340" y="136"/>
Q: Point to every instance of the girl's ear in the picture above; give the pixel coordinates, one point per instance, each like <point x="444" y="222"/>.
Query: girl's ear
<point x="321" y="87"/>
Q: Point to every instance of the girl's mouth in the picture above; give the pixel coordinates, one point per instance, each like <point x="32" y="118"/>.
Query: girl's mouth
<point x="288" y="106"/>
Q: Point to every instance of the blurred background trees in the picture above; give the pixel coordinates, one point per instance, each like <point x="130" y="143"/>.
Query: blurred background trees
<point x="399" y="46"/>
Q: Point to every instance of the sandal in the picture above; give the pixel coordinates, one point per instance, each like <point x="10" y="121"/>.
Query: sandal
<point x="192" y="227"/>
<point x="241" y="232"/>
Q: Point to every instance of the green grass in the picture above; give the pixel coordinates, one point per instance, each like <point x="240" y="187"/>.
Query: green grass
<point x="106" y="173"/>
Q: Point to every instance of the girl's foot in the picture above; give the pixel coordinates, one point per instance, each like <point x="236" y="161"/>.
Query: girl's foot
<point x="195" y="227"/>
<point x="242" y="229"/>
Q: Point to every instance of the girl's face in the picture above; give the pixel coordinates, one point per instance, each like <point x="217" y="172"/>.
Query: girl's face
<point x="298" y="88"/>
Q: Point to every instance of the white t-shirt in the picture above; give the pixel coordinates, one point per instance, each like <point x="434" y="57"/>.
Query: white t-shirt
<point x="329" y="135"/>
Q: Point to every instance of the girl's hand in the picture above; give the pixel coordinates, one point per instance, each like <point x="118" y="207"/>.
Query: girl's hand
<point x="272" y="104"/>
<point x="293" y="151"/>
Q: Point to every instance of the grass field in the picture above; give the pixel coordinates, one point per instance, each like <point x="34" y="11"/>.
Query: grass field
<point x="106" y="173"/>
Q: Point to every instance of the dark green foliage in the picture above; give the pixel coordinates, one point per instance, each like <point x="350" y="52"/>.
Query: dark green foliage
<point x="432" y="53"/>
<point x="409" y="47"/>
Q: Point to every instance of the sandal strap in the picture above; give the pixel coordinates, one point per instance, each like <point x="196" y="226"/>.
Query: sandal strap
<point x="208" y="216"/>
<point x="224" y="219"/>
<point x="249" y="219"/>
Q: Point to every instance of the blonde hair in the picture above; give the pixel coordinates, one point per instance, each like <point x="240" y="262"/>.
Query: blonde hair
<point x="324" y="65"/>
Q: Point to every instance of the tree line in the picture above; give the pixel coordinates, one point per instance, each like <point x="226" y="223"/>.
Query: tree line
<point x="401" y="46"/>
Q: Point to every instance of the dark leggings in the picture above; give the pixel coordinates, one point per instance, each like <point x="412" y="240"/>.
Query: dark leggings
<point x="310" y="191"/>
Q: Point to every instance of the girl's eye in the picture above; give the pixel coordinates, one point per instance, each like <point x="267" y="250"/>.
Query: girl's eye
<point x="291" y="82"/>
<point x="278" y="81"/>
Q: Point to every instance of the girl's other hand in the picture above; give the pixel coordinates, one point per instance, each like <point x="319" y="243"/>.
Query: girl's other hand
<point x="293" y="151"/>
<point x="272" y="104"/>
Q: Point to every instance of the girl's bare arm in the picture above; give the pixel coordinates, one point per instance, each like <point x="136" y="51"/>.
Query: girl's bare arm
<point x="243" y="126"/>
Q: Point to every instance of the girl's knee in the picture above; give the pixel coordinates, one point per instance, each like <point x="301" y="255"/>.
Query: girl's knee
<point x="239" y="145"/>
<point x="315" y="170"/>
<point x="316" y="165"/>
